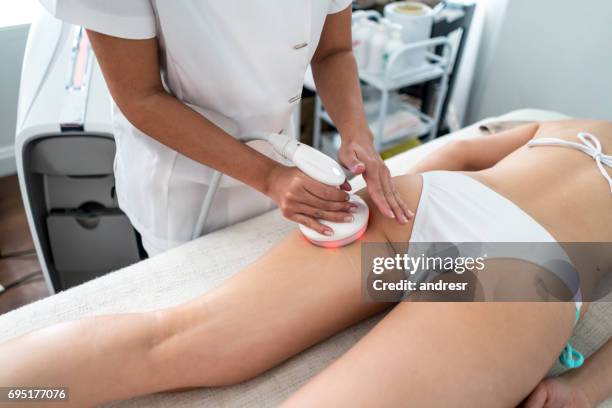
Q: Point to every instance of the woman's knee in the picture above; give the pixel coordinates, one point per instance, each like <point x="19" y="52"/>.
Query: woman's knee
<point x="198" y="349"/>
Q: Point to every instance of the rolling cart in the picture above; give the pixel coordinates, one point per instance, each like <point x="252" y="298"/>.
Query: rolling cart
<point x="436" y="67"/>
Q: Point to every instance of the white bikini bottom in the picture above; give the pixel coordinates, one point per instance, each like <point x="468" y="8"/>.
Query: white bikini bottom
<point x="455" y="208"/>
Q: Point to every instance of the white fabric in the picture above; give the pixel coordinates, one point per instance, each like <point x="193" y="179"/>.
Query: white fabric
<point x="448" y="213"/>
<point x="186" y="272"/>
<point x="590" y="146"/>
<point x="336" y="6"/>
<point x="240" y="64"/>
<point x="133" y="19"/>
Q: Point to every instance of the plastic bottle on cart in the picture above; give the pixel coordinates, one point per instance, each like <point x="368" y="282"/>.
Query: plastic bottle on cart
<point x="395" y="42"/>
<point x="362" y="30"/>
<point x="376" y="50"/>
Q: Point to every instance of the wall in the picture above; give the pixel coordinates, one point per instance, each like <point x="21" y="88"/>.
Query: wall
<point x="471" y="80"/>
<point x="486" y="20"/>
<point x="15" y="17"/>
<point x="548" y="54"/>
<point x="12" y="43"/>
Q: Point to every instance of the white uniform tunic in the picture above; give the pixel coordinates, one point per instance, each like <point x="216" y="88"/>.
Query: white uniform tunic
<point x="240" y="63"/>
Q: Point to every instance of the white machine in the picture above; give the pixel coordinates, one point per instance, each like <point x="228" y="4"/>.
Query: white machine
<point x="64" y="151"/>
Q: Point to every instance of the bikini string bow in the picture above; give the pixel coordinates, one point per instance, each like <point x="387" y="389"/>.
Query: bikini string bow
<point x="593" y="145"/>
<point x="590" y="145"/>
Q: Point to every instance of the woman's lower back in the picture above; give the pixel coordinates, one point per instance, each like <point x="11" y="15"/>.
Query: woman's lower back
<point x="562" y="188"/>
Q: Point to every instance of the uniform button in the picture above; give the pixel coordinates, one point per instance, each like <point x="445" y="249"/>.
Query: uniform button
<point x="295" y="98"/>
<point x="300" y="45"/>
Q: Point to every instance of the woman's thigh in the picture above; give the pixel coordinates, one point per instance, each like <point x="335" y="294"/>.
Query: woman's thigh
<point x="291" y="298"/>
<point x="446" y="354"/>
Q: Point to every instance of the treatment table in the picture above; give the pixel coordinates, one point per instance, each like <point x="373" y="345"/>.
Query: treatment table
<point x="194" y="268"/>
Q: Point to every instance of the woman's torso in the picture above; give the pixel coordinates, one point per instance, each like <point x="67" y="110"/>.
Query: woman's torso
<point x="562" y="188"/>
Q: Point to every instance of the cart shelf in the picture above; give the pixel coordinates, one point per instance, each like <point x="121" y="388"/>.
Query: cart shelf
<point x="392" y="79"/>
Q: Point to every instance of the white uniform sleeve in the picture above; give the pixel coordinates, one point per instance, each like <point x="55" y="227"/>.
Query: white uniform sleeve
<point x="336" y="6"/>
<point x="131" y="19"/>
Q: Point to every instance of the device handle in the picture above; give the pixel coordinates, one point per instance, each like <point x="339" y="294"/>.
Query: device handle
<point x="311" y="161"/>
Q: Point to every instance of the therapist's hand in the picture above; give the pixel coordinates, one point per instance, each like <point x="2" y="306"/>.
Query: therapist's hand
<point x="359" y="156"/>
<point x="305" y="200"/>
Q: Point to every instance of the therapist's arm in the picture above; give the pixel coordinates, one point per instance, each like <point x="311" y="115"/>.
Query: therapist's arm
<point x="132" y="73"/>
<point x="335" y="73"/>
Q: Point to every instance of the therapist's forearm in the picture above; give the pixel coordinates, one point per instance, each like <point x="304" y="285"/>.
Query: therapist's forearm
<point x="171" y="122"/>
<point x="132" y="72"/>
<point x="338" y="86"/>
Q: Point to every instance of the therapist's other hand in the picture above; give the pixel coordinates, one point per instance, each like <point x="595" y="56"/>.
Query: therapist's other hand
<point x="305" y="200"/>
<point x="359" y="156"/>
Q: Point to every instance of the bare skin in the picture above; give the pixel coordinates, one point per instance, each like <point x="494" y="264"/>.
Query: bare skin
<point x="420" y="354"/>
<point x="412" y="356"/>
<point x="584" y="387"/>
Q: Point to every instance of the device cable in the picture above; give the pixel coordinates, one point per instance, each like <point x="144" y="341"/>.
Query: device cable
<point x="25" y="279"/>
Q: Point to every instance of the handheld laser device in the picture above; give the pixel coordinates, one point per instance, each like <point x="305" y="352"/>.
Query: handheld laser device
<point x="327" y="171"/>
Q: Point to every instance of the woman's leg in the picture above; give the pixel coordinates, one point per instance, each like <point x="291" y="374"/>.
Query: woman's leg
<point x="446" y="354"/>
<point x="293" y="297"/>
